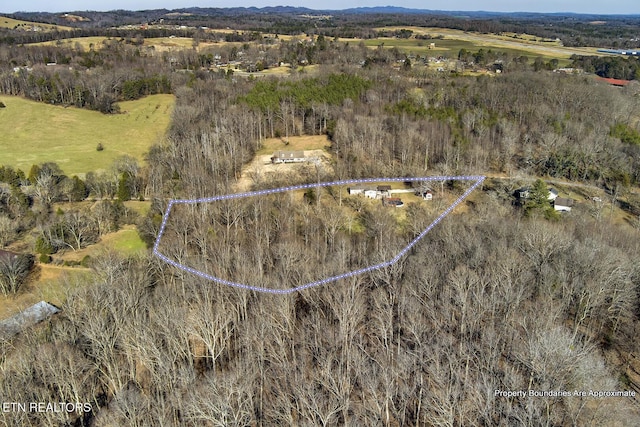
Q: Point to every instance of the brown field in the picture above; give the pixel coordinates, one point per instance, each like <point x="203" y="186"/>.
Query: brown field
<point x="294" y="143"/>
<point x="523" y="42"/>
<point x="6" y="22"/>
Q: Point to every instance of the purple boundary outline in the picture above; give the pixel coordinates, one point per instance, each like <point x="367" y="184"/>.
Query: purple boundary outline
<point x="478" y="180"/>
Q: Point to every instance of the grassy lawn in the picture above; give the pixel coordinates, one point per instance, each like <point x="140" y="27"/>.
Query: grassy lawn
<point x="125" y="241"/>
<point x="86" y="42"/>
<point x="49" y="283"/>
<point x="34" y="133"/>
<point x="294" y="143"/>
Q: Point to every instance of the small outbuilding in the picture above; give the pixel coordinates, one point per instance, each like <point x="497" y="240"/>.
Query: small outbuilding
<point x="562" y="204"/>
<point x="393" y="202"/>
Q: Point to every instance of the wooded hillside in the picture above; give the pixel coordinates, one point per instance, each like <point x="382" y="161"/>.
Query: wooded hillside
<point x="498" y="296"/>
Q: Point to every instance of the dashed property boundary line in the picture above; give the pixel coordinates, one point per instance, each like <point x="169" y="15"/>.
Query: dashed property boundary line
<point x="478" y="180"/>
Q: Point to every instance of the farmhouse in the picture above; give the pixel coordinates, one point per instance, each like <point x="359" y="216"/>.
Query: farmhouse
<point x="523" y="193"/>
<point x="371" y="193"/>
<point x="356" y="190"/>
<point x="288" y="157"/>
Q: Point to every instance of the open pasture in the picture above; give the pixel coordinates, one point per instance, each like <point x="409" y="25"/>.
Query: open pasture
<point x="34" y="133"/>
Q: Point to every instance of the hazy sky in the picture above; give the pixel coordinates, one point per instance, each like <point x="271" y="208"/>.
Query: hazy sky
<point x="580" y="6"/>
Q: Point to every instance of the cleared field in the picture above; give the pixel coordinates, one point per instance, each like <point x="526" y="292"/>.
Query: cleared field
<point x="160" y="44"/>
<point x="294" y="143"/>
<point x="34" y="133"/>
<point x="6" y="22"/>
<point x="175" y="43"/>
<point x="49" y="283"/>
<point x="456" y="39"/>
<point x="125" y="241"/>
<point x="86" y="42"/>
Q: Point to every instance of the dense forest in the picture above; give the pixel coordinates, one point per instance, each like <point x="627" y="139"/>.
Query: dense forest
<point x="496" y="297"/>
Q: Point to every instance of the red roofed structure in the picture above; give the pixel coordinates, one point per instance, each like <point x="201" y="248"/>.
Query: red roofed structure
<point x="615" y="82"/>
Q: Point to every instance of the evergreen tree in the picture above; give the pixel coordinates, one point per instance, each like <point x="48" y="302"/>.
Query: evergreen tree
<point x="538" y="201"/>
<point x="124" y="187"/>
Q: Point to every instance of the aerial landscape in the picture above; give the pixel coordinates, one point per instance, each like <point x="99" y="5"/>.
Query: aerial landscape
<point x="336" y="214"/>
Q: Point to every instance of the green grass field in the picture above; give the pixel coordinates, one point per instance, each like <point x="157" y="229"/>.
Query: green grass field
<point x="454" y="40"/>
<point x="125" y="241"/>
<point x="34" y="133"/>
<point x="450" y="48"/>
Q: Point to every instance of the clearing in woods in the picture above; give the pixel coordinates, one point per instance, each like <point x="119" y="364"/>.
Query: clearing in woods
<point x="448" y="43"/>
<point x="34" y="132"/>
<point x="51" y="282"/>
<point x="6" y="22"/>
<point x="260" y="169"/>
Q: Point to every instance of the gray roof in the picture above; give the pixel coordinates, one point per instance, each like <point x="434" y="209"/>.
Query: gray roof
<point x="26" y="318"/>
<point x="561" y="201"/>
<point x="288" y="154"/>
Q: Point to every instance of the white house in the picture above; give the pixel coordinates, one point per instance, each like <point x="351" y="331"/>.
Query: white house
<point x="370" y="193"/>
<point x="562" y="204"/>
<point x="356" y="190"/>
<point x="288" y="157"/>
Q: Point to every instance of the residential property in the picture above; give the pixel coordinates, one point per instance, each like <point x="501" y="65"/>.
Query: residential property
<point x="288" y="157"/>
<point x="384" y="190"/>
<point x="562" y="204"/>
<point x="426" y="195"/>
<point x="356" y="190"/>
<point x="392" y="201"/>
<point x="26" y="318"/>
<point x="371" y="194"/>
<point x="524" y="192"/>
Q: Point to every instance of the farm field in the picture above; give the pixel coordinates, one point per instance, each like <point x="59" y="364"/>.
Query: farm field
<point x="454" y="40"/>
<point x="86" y="42"/>
<point x="6" y="22"/>
<point x="69" y="136"/>
<point x="160" y="44"/>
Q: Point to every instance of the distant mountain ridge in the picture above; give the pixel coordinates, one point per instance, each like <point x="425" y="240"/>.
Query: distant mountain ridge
<point x="398" y="10"/>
